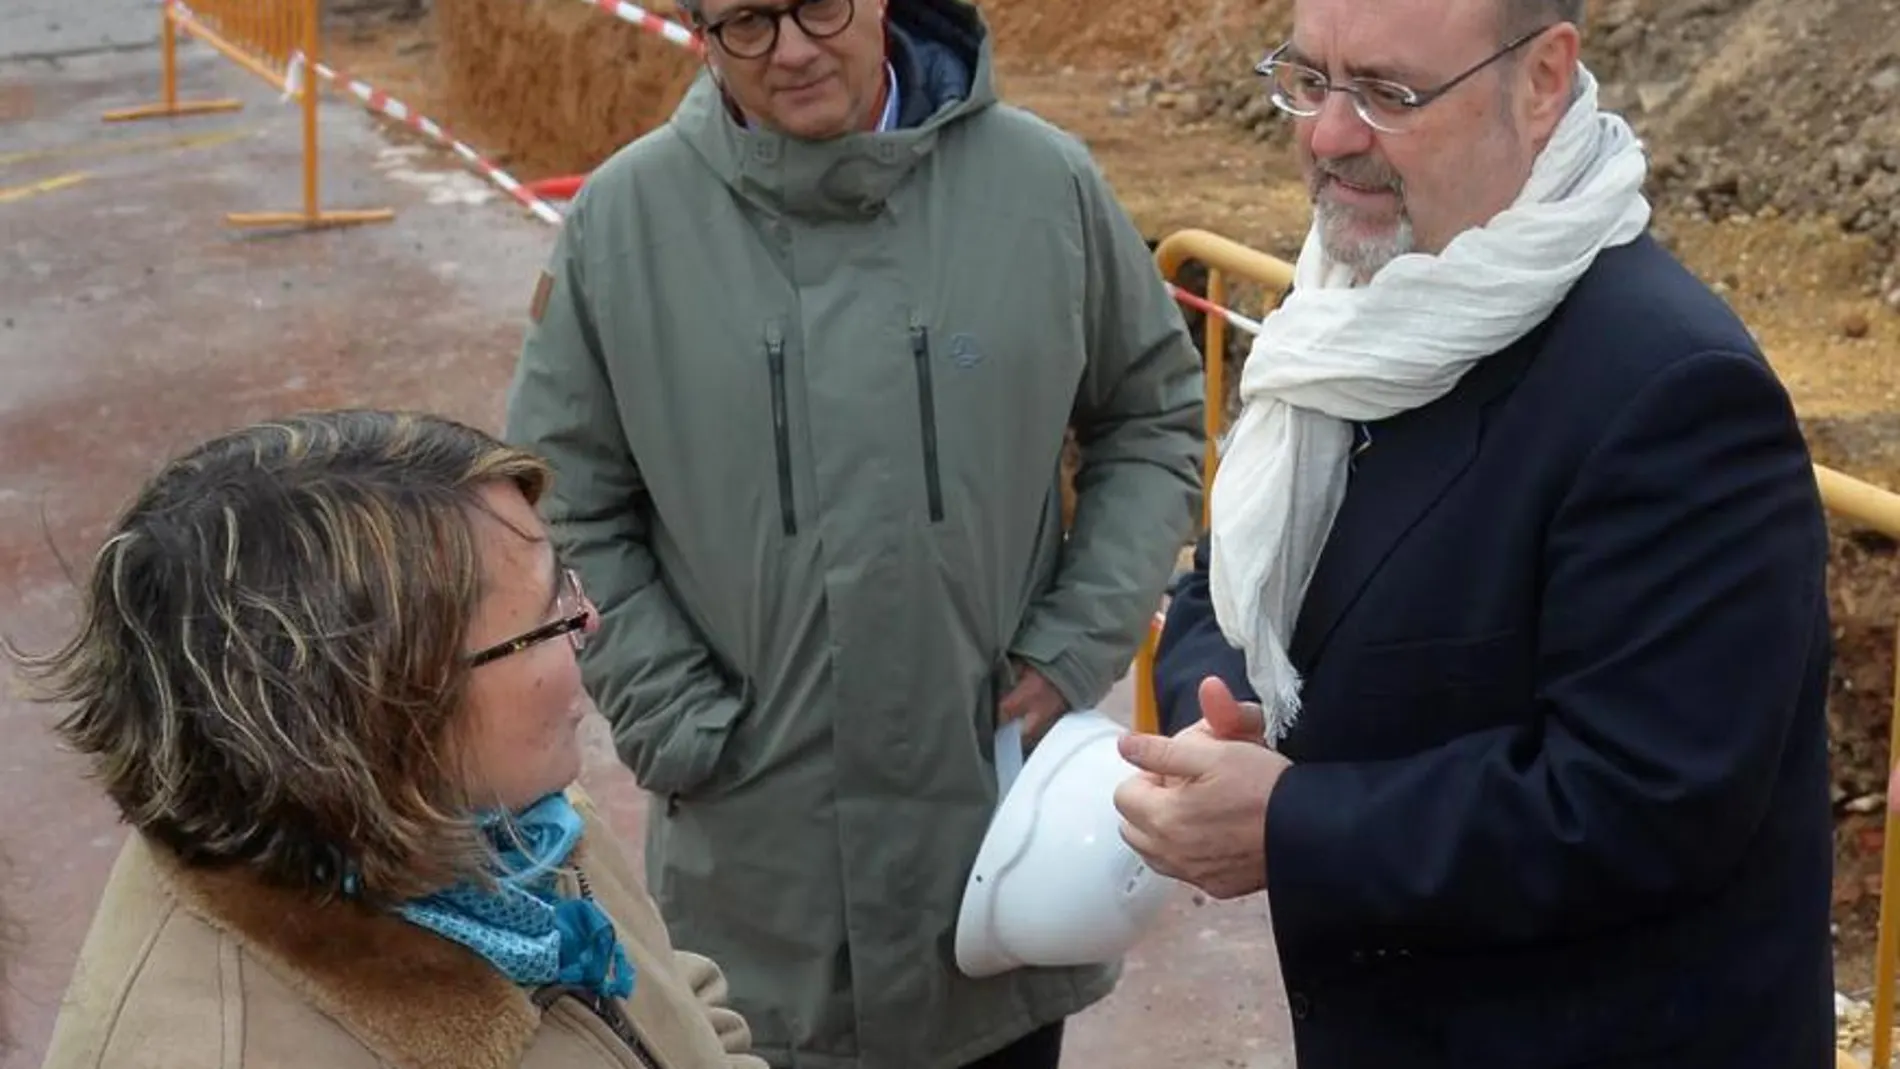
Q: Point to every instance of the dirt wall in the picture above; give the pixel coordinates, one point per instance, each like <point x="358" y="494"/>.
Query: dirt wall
<point x="557" y="85"/>
<point x="1757" y="108"/>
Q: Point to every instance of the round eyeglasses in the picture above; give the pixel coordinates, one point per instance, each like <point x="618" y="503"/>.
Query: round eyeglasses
<point x="1387" y="106"/>
<point x="576" y="614"/>
<point x="752" y="32"/>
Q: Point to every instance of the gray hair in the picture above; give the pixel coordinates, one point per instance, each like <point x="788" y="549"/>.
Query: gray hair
<point x="1521" y="16"/>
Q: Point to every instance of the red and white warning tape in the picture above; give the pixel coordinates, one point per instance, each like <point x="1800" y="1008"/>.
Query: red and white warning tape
<point x="1251" y="326"/>
<point x="648" y="21"/>
<point x="383" y="104"/>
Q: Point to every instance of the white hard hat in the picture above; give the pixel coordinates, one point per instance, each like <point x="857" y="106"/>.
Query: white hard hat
<point x="1054" y="884"/>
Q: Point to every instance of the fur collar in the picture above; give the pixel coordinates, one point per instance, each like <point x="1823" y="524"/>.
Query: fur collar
<point x="418" y="1000"/>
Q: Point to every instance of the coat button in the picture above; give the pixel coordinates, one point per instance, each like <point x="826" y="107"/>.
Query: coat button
<point x="1299" y="1005"/>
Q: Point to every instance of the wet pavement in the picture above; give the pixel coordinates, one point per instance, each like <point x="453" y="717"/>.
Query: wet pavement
<point x="134" y="322"/>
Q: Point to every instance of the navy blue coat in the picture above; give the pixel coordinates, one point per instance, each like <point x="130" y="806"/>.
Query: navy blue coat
<point x="1560" y="792"/>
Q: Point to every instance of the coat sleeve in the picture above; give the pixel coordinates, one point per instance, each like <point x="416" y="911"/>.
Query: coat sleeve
<point x="647" y="668"/>
<point x="1683" y="577"/>
<point x="709" y="987"/>
<point x="1137" y="418"/>
<point x="1192" y="647"/>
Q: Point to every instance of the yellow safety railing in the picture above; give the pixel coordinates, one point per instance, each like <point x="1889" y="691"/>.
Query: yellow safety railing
<point x="1843" y="495"/>
<point x="1222" y="257"/>
<point x="1878" y="509"/>
<point x="269" y="38"/>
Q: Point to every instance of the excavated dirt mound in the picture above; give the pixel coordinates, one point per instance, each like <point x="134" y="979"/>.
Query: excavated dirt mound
<point x="557" y="85"/>
<point x="1759" y="108"/>
<point x="1785" y="107"/>
<point x="1107" y="33"/>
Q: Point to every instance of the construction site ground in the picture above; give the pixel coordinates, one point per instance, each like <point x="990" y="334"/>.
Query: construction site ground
<point x="134" y="322"/>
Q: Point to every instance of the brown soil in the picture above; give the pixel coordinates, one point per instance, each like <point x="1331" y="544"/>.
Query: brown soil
<point x="564" y="84"/>
<point x="1783" y="107"/>
<point x="541" y="87"/>
<point x="1164" y="96"/>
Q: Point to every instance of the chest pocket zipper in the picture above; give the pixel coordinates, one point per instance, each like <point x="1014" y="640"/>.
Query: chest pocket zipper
<point x="781" y="428"/>
<point x="927" y="417"/>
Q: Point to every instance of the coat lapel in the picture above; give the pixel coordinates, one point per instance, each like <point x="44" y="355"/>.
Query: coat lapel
<point x="1413" y="459"/>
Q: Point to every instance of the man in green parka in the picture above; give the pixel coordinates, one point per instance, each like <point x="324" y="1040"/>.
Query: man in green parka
<point x="803" y="359"/>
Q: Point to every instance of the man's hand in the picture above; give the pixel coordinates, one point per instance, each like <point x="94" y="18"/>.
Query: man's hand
<point x="1199" y="811"/>
<point x="1223" y="718"/>
<point x="1226" y="718"/>
<point x="1033" y="699"/>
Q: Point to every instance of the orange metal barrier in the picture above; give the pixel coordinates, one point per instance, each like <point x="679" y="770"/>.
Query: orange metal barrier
<point x="271" y="39"/>
<point x="1222" y="257"/>
<point x="1873" y="507"/>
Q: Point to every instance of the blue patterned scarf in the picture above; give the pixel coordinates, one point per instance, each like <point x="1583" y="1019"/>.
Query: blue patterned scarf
<point x="525" y="927"/>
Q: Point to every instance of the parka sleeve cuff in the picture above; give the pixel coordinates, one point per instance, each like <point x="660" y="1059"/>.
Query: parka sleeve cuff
<point x="1077" y="684"/>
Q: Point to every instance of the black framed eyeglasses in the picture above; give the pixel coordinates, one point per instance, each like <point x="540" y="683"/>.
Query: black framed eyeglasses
<point x="1388" y="106"/>
<point x="575" y="615"/>
<point x="752" y="32"/>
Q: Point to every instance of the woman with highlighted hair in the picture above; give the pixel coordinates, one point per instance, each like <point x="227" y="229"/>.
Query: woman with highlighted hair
<point x="326" y="671"/>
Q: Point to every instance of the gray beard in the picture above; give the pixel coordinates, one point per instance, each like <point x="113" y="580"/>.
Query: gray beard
<point x="1365" y="257"/>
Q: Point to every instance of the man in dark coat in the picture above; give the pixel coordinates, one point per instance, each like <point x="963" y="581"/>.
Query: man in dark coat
<point x="1517" y="568"/>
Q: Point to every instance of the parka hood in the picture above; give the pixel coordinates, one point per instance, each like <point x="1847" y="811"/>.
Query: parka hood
<point x="942" y="54"/>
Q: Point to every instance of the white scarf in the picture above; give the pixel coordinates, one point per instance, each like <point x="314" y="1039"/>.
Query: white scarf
<point x="1334" y="353"/>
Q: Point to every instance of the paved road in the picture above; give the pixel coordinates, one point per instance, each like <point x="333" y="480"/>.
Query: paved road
<point x="46" y="28"/>
<point x="134" y="322"/>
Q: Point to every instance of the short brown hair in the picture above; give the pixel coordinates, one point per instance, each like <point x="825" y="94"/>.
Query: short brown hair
<point x="270" y="649"/>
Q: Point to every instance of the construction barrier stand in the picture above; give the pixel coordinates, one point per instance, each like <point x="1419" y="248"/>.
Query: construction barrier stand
<point x="268" y="38"/>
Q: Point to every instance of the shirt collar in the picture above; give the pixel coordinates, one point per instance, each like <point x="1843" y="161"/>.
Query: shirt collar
<point x="885" y="123"/>
<point x="888" y="122"/>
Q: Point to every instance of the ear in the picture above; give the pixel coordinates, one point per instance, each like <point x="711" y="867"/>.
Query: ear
<point x="1551" y="72"/>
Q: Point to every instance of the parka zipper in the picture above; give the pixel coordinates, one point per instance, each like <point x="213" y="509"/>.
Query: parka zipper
<point x="927" y="413"/>
<point x="781" y="429"/>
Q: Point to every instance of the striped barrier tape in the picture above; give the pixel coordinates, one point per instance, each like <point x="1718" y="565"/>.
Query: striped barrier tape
<point x="648" y="21"/>
<point x="382" y="103"/>
<point x="1251" y="326"/>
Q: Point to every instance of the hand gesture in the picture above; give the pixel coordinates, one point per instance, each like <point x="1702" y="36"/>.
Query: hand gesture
<point x="1198" y="811"/>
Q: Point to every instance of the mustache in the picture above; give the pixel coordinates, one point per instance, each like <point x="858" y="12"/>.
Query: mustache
<point x="1362" y="171"/>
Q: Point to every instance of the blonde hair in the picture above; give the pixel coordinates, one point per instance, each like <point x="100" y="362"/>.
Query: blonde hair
<point x="270" y="654"/>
